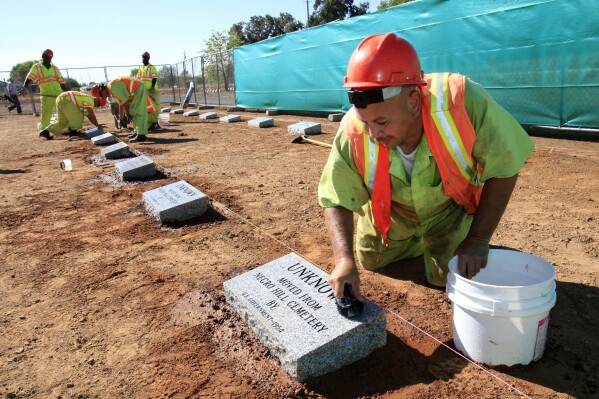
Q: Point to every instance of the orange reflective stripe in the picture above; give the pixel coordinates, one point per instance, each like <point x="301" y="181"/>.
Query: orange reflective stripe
<point x="42" y="78"/>
<point x="151" y="105"/>
<point x="450" y="136"/>
<point x="372" y="161"/>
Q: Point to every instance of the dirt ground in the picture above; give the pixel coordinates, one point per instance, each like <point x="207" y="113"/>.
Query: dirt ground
<point x="98" y="301"/>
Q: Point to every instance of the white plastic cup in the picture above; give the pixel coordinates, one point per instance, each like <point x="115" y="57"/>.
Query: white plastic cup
<point x="164" y="119"/>
<point x="66" y="165"/>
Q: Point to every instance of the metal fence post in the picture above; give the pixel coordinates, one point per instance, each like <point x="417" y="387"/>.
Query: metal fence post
<point x="193" y="79"/>
<point x="204" y="81"/>
<point x="68" y="78"/>
<point x="178" y="83"/>
<point x="172" y="81"/>
<point x="217" y="80"/>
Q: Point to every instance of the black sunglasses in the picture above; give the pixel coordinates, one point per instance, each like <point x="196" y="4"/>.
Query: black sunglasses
<point x="361" y="98"/>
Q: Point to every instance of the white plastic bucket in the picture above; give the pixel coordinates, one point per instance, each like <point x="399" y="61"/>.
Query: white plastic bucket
<point x="501" y="315"/>
<point x="164" y="119"/>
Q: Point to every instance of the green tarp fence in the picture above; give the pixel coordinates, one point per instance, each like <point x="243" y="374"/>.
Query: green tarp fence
<point x="539" y="59"/>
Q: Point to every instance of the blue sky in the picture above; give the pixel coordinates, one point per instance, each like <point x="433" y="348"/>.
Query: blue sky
<point x="97" y="33"/>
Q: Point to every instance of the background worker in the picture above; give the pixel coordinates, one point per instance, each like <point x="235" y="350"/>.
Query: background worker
<point x="71" y="107"/>
<point x="13" y="96"/>
<point x="132" y="95"/>
<point x="148" y="74"/>
<point x="411" y="157"/>
<point x="51" y="84"/>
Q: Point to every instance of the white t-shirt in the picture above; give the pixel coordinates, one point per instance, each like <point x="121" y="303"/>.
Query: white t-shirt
<point x="408" y="160"/>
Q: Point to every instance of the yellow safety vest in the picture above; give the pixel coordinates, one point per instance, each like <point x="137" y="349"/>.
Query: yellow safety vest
<point x="80" y="99"/>
<point x="146" y="74"/>
<point x="48" y="79"/>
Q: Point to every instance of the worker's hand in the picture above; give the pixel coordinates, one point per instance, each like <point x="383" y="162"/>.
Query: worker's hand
<point x="472" y="256"/>
<point x="21" y="90"/>
<point x="152" y="90"/>
<point x="345" y="271"/>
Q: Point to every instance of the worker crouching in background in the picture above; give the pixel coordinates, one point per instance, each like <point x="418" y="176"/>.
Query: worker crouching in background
<point x="71" y="107"/>
<point x="132" y="95"/>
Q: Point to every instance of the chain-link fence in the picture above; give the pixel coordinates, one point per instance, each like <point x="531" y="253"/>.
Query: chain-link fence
<point x="212" y="76"/>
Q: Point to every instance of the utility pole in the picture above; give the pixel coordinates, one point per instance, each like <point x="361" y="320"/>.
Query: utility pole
<point x="307" y="14"/>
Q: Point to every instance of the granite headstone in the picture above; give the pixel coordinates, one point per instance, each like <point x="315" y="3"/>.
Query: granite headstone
<point x="336" y="117"/>
<point x="118" y="150"/>
<point x="167" y="109"/>
<point x="208" y="115"/>
<point x="304" y="128"/>
<point x="106" y="138"/>
<point x="93" y="132"/>
<point x="261" y="122"/>
<point x="230" y="118"/>
<point x="195" y="112"/>
<point x="175" y="202"/>
<point x="136" y="168"/>
<point x="289" y="305"/>
<point x="177" y="111"/>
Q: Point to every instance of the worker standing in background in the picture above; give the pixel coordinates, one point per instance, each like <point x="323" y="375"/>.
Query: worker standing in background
<point x="50" y="82"/>
<point x="71" y="107"/>
<point x="429" y="163"/>
<point x="132" y="95"/>
<point x="13" y="96"/>
<point x="148" y="74"/>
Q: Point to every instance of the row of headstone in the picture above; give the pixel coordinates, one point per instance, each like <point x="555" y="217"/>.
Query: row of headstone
<point x="176" y="202"/>
<point x="288" y="303"/>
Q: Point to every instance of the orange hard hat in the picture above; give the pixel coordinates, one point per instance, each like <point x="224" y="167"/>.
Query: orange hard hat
<point x="146" y="54"/>
<point x="48" y="53"/>
<point x="381" y="61"/>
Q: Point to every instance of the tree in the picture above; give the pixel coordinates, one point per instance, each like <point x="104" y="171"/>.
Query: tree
<point x="218" y="59"/>
<point x="72" y="84"/>
<point x="391" y="3"/>
<point x="333" y="10"/>
<point x="20" y="70"/>
<point x="260" y="28"/>
<point x="134" y="72"/>
<point x="166" y="76"/>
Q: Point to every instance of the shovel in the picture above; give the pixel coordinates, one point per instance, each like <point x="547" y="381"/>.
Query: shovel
<point x="304" y="139"/>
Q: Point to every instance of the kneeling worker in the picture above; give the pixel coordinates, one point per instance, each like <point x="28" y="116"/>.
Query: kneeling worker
<point x="132" y="94"/>
<point x="429" y="163"/>
<point x="71" y="107"/>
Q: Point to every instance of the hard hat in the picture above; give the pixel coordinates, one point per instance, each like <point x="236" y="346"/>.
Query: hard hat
<point x="146" y="54"/>
<point x="381" y="61"/>
<point x="48" y="53"/>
